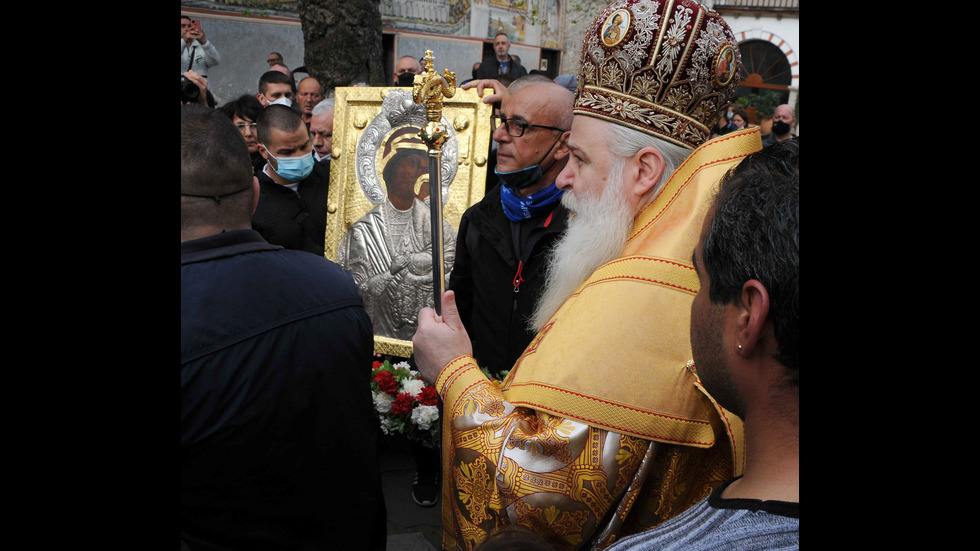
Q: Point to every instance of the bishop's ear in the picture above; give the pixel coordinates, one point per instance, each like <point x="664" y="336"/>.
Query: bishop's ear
<point x="649" y="166"/>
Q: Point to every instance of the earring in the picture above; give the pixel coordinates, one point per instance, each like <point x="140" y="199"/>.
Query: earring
<point x="739" y="347"/>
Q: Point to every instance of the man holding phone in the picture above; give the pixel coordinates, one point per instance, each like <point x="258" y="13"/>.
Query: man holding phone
<point x="196" y="53"/>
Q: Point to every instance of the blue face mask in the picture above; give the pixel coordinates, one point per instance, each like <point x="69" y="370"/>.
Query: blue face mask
<point x="293" y="169"/>
<point x="524" y="208"/>
<point x="525" y="177"/>
<point x="519" y="179"/>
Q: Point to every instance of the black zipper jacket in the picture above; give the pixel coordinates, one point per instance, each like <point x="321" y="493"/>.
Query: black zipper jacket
<point x="496" y="286"/>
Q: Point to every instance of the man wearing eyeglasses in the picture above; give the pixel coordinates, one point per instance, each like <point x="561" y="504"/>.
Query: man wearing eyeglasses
<point x="274" y="58"/>
<point x="502" y="241"/>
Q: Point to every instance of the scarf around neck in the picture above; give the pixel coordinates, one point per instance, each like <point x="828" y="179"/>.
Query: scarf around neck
<point x="524" y="208"/>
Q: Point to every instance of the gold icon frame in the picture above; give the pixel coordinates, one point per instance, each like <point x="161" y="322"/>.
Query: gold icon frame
<point x="355" y="108"/>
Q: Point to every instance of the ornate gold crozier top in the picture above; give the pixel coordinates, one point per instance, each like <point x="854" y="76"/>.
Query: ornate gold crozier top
<point x="430" y="88"/>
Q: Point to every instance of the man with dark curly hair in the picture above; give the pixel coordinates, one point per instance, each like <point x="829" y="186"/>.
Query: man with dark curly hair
<point x="745" y="333"/>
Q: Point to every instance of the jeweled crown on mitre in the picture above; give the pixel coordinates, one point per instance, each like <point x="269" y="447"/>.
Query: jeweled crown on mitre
<point x="665" y="67"/>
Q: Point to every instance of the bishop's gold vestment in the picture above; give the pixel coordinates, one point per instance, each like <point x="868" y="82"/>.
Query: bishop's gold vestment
<point x="602" y="428"/>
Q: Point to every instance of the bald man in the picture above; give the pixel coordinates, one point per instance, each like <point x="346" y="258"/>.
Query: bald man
<point x="405" y="70"/>
<point x="500" y="259"/>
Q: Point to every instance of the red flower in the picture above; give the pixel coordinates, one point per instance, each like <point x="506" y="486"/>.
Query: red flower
<point x="403" y="404"/>
<point x="376" y="365"/>
<point x="386" y="382"/>
<point x="429" y="396"/>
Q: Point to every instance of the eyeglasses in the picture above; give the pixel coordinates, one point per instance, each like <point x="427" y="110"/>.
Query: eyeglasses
<point x="273" y="61"/>
<point x="518" y="128"/>
<point x="243" y="126"/>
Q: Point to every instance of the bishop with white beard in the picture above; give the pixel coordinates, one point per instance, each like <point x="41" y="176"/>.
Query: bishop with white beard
<point x="602" y="428"/>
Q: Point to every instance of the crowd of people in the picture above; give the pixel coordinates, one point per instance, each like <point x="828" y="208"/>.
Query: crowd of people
<point x="616" y="353"/>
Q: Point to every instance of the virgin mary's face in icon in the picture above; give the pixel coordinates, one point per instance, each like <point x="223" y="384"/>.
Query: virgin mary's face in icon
<point x="403" y="160"/>
<point x="400" y="176"/>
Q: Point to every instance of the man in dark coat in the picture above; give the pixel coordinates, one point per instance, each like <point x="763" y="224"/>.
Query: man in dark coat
<point x="278" y="443"/>
<point x="292" y="209"/>
<point x="502" y="62"/>
<point x="503" y="241"/>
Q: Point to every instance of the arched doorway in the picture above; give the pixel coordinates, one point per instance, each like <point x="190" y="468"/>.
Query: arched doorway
<point x="764" y="68"/>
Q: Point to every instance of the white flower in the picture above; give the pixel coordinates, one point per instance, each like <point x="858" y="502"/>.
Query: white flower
<point x="402" y="365"/>
<point x="412" y="386"/>
<point x="382" y="402"/>
<point x="386" y="425"/>
<point x="424" y="416"/>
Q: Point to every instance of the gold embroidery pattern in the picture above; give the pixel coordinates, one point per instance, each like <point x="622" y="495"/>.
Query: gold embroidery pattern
<point x="589" y="487"/>
<point x="612" y="76"/>
<point x="629" y="457"/>
<point x="484" y="400"/>
<point x="589" y="73"/>
<point x="563" y="524"/>
<point x="625" y="109"/>
<point x="480" y="441"/>
<point x="646" y="86"/>
<point x="552" y="474"/>
<point x="545" y="435"/>
<point x="677" y="98"/>
<point x="576" y="493"/>
<point x="528" y="482"/>
<point x="679" y="478"/>
<point x="678" y="487"/>
<point x="474" y="488"/>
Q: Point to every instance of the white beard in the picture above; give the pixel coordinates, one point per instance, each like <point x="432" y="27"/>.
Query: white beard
<point x="596" y="234"/>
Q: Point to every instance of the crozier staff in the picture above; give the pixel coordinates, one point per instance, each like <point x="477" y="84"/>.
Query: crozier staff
<point x="430" y="88"/>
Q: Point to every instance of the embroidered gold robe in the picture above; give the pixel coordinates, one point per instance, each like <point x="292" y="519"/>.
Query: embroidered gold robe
<point x="602" y="428"/>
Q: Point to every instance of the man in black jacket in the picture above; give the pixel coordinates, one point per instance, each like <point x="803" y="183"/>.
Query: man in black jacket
<point x="502" y="243"/>
<point x="278" y="437"/>
<point x="502" y="62"/>
<point x="292" y="209"/>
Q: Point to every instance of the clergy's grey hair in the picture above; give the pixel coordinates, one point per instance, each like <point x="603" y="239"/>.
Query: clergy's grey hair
<point x="625" y="142"/>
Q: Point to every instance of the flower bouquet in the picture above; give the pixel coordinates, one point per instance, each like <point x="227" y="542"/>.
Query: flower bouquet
<point x="405" y="403"/>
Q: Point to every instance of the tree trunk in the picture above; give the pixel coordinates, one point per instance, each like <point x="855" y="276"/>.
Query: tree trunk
<point x="342" y="41"/>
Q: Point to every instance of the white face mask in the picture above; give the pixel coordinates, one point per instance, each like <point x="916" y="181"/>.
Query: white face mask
<point x="282" y="101"/>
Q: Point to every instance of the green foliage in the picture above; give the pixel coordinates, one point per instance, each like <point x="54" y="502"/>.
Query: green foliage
<point x="765" y="103"/>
